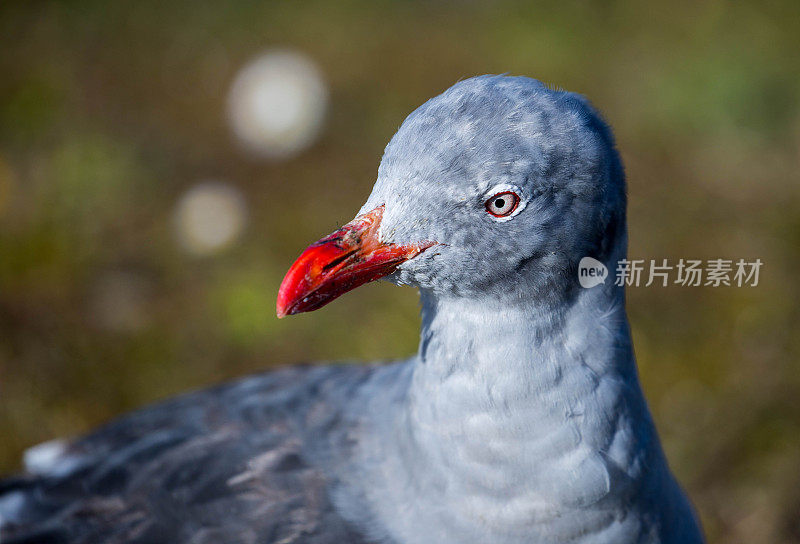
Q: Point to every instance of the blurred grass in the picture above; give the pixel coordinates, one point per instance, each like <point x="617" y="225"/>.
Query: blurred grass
<point x="110" y="111"/>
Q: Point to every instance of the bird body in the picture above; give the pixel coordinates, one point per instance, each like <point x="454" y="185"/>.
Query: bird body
<point x="519" y="420"/>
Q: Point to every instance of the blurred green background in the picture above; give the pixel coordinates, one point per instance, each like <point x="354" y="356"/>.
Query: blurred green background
<point x="111" y="112"/>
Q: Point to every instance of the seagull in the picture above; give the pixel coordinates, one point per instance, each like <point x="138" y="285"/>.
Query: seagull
<point x="519" y="420"/>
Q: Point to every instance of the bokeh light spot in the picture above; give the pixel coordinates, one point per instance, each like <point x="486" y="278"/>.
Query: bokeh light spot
<point x="277" y="104"/>
<point x="209" y="217"/>
<point x="119" y="302"/>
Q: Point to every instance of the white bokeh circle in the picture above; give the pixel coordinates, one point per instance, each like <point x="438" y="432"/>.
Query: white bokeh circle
<point x="209" y="217"/>
<point x="277" y="104"/>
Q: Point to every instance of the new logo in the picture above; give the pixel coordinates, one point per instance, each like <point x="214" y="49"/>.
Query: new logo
<point x="591" y="272"/>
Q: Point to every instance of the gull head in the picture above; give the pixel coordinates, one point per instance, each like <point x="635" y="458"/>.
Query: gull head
<point x="494" y="190"/>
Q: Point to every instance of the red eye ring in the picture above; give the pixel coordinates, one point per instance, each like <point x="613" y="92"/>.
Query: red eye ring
<point x="502" y="204"/>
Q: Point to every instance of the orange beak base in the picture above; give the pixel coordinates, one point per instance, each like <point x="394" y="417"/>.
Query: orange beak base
<point x="340" y="262"/>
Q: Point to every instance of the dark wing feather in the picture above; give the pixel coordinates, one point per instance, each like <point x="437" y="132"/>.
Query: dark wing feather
<point x="243" y="463"/>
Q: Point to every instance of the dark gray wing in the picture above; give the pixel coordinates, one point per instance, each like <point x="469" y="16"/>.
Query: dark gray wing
<point x="241" y="463"/>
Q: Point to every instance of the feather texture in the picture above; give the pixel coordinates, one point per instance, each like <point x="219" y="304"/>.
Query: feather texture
<point x="240" y="463"/>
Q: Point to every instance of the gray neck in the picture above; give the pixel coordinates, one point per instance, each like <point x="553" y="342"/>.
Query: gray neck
<point x="534" y="394"/>
<point x="516" y="423"/>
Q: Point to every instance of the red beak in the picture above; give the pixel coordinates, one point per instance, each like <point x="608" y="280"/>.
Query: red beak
<point x="340" y="262"/>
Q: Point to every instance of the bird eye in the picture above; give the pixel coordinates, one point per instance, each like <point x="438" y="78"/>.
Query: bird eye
<point x="502" y="204"/>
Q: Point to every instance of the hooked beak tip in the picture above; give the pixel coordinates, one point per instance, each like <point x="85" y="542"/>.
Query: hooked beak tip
<point x="340" y="262"/>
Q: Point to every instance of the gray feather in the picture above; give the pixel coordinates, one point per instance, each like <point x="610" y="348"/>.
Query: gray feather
<point x="240" y="463"/>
